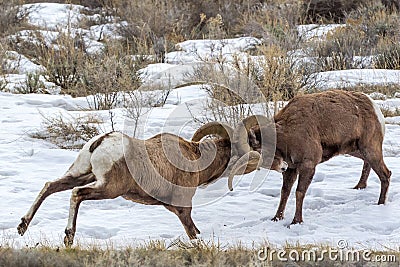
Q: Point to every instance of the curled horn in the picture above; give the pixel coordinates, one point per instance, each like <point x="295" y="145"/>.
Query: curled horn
<point x="217" y="128"/>
<point x="245" y="157"/>
<point x="251" y="161"/>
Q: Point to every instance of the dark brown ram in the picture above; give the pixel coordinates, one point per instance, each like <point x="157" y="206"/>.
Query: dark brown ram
<point x="313" y="128"/>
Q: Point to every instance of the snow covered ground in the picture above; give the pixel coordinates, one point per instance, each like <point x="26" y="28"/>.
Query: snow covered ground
<point x="332" y="210"/>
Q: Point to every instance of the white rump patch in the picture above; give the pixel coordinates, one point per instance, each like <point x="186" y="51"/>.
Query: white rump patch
<point x="379" y="114"/>
<point x="82" y="163"/>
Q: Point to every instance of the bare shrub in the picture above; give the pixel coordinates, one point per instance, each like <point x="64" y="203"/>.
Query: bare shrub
<point x="279" y="78"/>
<point x="329" y="10"/>
<point x="3" y="62"/>
<point x="3" y="85"/>
<point x="391" y="5"/>
<point x="138" y="103"/>
<point x="244" y="85"/>
<point x="388" y="55"/>
<point x="232" y="92"/>
<point x="375" y="21"/>
<point x="388" y="90"/>
<point x="33" y="85"/>
<point x="151" y="21"/>
<point x="107" y="76"/>
<point x="275" y="22"/>
<point x="101" y="76"/>
<point x="388" y="111"/>
<point x="339" y="49"/>
<point x="62" y="61"/>
<point x="69" y="132"/>
<point x="161" y="23"/>
<point x="12" y="17"/>
<point x="368" y="30"/>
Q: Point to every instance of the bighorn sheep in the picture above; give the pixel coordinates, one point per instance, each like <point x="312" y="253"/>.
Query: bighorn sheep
<point x="313" y="128"/>
<point x="163" y="170"/>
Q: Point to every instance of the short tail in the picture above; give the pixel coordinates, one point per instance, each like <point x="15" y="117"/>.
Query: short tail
<point x="82" y="164"/>
<point x="96" y="143"/>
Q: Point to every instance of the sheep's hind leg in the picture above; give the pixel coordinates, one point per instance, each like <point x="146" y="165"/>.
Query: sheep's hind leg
<point x="64" y="183"/>
<point x="373" y="155"/>
<point x="184" y="215"/>
<point x="384" y="176"/>
<point x="94" y="191"/>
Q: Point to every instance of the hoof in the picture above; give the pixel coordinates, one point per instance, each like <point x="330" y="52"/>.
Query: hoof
<point x="360" y="186"/>
<point x="192" y="236"/>
<point x="295" y="221"/>
<point x="22" y="226"/>
<point x="69" y="238"/>
<point x="277" y="218"/>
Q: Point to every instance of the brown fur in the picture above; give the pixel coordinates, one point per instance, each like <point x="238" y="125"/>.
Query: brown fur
<point x="313" y="128"/>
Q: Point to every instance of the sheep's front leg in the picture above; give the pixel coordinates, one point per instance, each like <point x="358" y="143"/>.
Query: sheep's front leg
<point x="306" y="174"/>
<point x="93" y="191"/>
<point x="184" y="215"/>
<point x="64" y="183"/>
<point x="289" y="177"/>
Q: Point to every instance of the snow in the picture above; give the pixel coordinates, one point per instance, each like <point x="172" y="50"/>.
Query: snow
<point x="13" y="82"/>
<point x="222" y="47"/>
<point x="166" y="75"/>
<point x="332" y="209"/>
<point x="348" y="78"/>
<point x="53" y="16"/>
<point x="316" y="31"/>
<point x="53" y="19"/>
<point x="16" y="62"/>
<point x="212" y="50"/>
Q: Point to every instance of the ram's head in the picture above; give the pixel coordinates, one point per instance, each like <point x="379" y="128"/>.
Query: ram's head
<point x="253" y="145"/>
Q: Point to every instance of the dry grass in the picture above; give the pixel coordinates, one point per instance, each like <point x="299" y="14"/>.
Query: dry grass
<point x="388" y="90"/>
<point x="390" y="112"/>
<point x="12" y="17"/>
<point x="279" y="78"/>
<point x="388" y="55"/>
<point x="370" y="30"/>
<point x="32" y="85"/>
<point x="154" y="31"/>
<point x="107" y="76"/>
<point x="338" y="50"/>
<point x="62" y="60"/>
<point x="156" y="253"/>
<point x="68" y="132"/>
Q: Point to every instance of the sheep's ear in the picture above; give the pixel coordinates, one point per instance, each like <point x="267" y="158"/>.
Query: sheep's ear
<point x="252" y="159"/>
<point x="254" y="143"/>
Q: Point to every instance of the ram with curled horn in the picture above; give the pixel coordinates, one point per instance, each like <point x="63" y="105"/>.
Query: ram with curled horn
<point x="313" y="128"/>
<point x="163" y="170"/>
<point x="246" y="146"/>
<point x="245" y="158"/>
